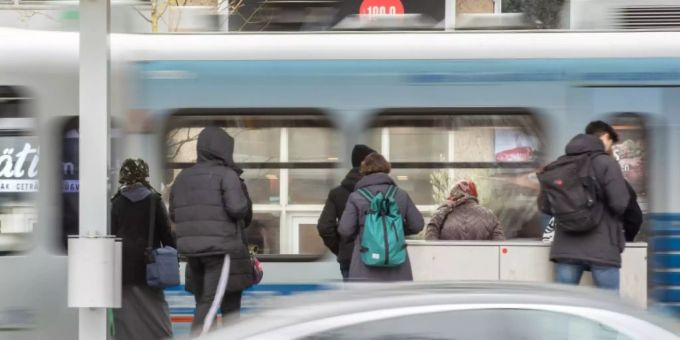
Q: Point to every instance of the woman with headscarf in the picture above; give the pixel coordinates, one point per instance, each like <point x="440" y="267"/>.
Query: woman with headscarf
<point x="462" y="218"/>
<point x="144" y="313"/>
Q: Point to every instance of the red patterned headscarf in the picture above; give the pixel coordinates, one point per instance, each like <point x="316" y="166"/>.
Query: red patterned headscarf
<point x="462" y="192"/>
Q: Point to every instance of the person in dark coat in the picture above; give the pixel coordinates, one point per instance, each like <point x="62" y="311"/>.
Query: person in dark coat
<point x="144" y="313"/>
<point x="210" y="206"/>
<point x="598" y="250"/>
<point x="461" y="217"/>
<point x="376" y="179"/>
<point x="333" y="209"/>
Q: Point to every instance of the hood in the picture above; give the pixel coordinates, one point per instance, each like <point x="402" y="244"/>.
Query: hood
<point x="135" y="192"/>
<point x="215" y="144"/>
<point x="584" y="143"/>
<point x="374" y="179"/>
<point x="351" y="179"/>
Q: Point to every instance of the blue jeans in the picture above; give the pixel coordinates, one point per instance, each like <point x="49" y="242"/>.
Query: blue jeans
<point x="603" y="276"/>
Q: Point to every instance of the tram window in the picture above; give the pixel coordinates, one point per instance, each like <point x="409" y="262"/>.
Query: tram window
<point x="310" y="186"/>
<point x="18" y="172"/>
<point x="290" y="163"/>
<point x="407" y="144"/>
<point x="314" y="145"/>
<point x="432" y="149"/>
<point x="631" y="153"/>
<point x="253" y="144"/>
<point x="264" y="233"/>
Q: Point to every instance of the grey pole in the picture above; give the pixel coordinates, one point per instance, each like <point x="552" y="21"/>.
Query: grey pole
<point x="94" y="140"/>
<point x="450" y="15"/>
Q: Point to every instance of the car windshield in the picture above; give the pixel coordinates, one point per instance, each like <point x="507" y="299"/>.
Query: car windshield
<point x="489" y="324"/>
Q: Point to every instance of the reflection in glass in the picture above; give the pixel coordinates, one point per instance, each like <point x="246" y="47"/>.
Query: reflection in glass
<point x="256" y="144"/>
<point x="482" y="324"/>
<point x="417" y="145"/>
<point x="310" y="241"/>
<point x="311" y="186"/>
<point x="511" y="194"/>
<point x="263" y="185"/>
<point x="251" y="145"/>
<point x="263" y="233"/>
<point x="417" y="139"/>
<point x="314" y="145"/>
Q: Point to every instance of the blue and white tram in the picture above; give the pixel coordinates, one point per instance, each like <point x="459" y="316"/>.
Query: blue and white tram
<point x="440" y="106"/>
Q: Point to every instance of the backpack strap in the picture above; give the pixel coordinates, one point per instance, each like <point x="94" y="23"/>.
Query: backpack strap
<point x="391" y="191"/>
<point x="366" y="194"/>
<point x="152" y="226"/>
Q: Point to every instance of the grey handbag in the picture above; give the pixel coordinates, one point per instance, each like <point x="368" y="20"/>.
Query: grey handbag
<point x="162" y="264"/>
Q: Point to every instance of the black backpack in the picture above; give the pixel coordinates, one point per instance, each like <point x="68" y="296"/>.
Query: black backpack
<point x="572" y="193"/>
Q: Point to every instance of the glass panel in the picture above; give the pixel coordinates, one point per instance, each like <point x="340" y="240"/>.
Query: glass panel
<point x="263" y="233"/>
<point x="314" y="145"/>
<point x="263" y="185"/>
<point x="631" y="153"/>
<point x="473" y="144"/>
<point x="252" y="144"/>
<point x="490" y="324"/>
<point x="476" y="138"/>
<point x="510" y="194"/>
<point x="407" y="144"/>
<point x="310" y="241"/>
<point x="311" y="186"/>
<point x="420" y="184"/>
<point x="181" y="145"/>
<point x="472" y="138"/>
<point x="256" y="144"/>
<point x="373" y="138"/>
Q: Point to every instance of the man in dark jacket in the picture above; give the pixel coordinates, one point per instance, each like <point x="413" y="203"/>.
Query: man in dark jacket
<point x="598" y="250"/>
<point x="335" y="206"/>
<point x="210" y="207"/>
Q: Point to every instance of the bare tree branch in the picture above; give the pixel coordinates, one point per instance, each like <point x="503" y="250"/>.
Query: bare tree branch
<point x="247" y="21"/>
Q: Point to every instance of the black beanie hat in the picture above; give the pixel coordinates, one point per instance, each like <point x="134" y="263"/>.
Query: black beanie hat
<point x="360" y="152"/>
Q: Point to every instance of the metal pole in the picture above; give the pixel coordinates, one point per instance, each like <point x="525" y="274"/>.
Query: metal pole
<point x="94" y="140"/>
<point x="449" y="15"/>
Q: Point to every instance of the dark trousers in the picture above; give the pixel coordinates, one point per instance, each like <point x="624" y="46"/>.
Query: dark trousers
<point x="345" y="274"/>
<point x="205" y="276"/>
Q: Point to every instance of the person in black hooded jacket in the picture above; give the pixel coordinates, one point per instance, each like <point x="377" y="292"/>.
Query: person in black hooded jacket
<point x="335" y="206"/>
<point x="144" y="313"/>
<point x="210" y="206"/>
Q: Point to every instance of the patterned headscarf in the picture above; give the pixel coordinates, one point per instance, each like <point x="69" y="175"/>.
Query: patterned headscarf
<point x="462" y="192"/>
<point x="134" y="171"/>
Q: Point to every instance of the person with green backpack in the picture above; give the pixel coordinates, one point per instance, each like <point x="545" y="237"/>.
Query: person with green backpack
<point x="379" y="216"/>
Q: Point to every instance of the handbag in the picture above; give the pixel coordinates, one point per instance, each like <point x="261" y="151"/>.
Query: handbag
<point x="162" y="264"/>
<point x="258" y="270"/>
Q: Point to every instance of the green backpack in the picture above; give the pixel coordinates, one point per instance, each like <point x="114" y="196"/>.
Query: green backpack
<point x="383" y="243"/>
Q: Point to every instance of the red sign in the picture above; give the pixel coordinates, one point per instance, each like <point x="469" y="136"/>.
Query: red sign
<point x="381" y="7"/>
